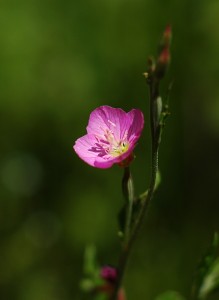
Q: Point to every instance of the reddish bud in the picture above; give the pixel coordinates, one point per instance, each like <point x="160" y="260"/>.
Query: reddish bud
<point x="164" y="57"/>
<point x="109" y="273"/>
<point x="167" y="36"/>
<point x="162" y="62"/>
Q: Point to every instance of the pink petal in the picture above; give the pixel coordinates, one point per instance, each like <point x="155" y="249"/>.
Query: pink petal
<point x="137" y="125"/>
<point x="106" y="117"/>
<point x="85" y="147"/>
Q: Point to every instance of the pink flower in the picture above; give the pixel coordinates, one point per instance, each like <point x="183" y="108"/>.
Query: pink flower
<point x="111" y="136"/>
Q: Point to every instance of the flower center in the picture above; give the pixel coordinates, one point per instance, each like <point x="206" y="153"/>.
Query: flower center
<point x="119" y="149"/>
<point x="111" y="145"/>
<point x="115" y="148"/>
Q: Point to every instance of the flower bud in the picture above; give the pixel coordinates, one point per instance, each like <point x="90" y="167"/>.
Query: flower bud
<point x="167" y="36"/>
<point x="109" y="274"/>
<point x="165" y="39"/>
<point x="162" y="62"/>
<point x="163" y="59"/>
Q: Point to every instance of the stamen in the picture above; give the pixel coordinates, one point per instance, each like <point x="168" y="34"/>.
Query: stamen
<point x="109" y="144"/>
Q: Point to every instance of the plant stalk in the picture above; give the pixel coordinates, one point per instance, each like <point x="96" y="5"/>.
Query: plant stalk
<point x="146" y="199"/>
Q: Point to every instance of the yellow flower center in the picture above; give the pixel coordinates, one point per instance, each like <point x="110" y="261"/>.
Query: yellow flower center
<point x="119" y="149"/>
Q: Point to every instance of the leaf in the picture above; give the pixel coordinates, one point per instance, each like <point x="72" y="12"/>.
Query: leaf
<point x="170" y="295"/>
<point x="211" y="281"/>
<point x="159" y="107"/>
<point x="90" y="262"/>
<point x="158" y="180"/>
<point x="91" y="270"/>
<point x="205" y="267"/>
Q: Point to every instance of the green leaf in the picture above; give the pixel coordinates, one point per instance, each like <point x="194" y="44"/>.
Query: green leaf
<point x="158" y="180"/>
<point x="143" y="196"/>
<point x="211" y="281"/>
<point x="91" y="270"/>
<point x="90" y="261"/>
<point x="201" y="286"/>
<point x="159" y="107"/>
<point x="170" y="295"/>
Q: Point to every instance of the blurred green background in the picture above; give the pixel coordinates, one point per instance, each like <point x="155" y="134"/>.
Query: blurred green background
<point x="58" y="61"/>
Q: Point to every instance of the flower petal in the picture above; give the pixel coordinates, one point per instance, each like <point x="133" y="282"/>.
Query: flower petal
<point x="106" y="117"/>
<point x="88" y="151"/>
<point x="137" y="125"/>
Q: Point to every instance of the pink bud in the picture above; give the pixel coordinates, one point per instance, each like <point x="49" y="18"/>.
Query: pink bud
<point x="109" y="273"/>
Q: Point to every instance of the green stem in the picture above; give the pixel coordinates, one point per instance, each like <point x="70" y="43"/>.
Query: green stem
<point x="154" y="93"/>
<point x="128" y="191"/>
<point x="155" y="136"/>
